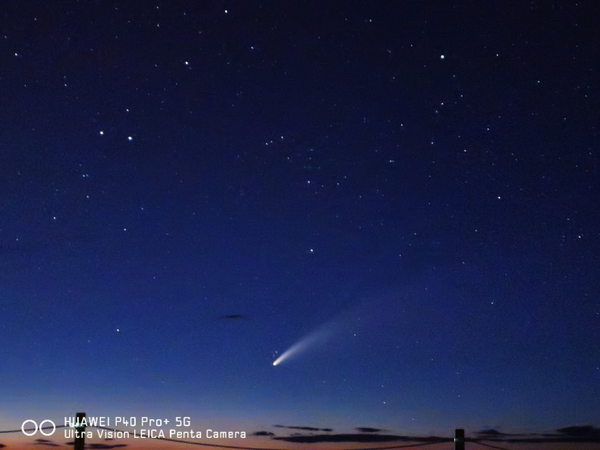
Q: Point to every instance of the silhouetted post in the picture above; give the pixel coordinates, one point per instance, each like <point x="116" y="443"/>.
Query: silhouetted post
<point x="80" y="431"/>
<point x="459" y="439"/>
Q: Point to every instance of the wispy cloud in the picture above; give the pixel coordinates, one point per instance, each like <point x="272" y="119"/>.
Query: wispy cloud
<point x="356" y="437"/>
<point x="46" y="442"/>
<point x="96" y="446"/>
<point x="104" y="446"/>
<point x="571" y="434"/>
<point x="233" y="317"/>
<point x="295" y="427"/>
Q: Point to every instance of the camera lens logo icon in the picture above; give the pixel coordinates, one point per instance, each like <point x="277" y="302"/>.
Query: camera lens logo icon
<point x="43" y="427"/>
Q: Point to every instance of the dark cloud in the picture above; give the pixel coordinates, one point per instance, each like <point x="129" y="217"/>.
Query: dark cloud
<point x="541" y="439"/>
<point x="572" y="434"/>
<point x="263" y="433"/>
<point x="490" y="432"/>
<point x="2" y="445"/>
<point x="359" y="437"/>
<point x="368" y="429"/>
<point x="295" y="427"/>
<point x="45" y="442"/>
<point x="233" y="316"/>
<point x="580" y="431"/>
<point x="104" y="446"/>
<point x="100" y="446"/>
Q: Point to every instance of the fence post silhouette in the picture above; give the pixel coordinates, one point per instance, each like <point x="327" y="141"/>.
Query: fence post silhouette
<point x="79" y="431"/>
<point x="459" y="439"/>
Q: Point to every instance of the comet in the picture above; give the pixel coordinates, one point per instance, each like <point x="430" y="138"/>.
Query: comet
<point x="302" y="345"/>
<point x="343" y="330"/>
<point x="316" y="337"/>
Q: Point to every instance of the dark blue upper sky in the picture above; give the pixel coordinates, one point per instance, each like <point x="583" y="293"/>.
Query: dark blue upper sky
<point x="187" y="189"/>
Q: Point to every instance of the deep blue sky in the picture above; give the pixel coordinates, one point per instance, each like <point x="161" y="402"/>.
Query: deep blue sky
<point x="417" y="180"/>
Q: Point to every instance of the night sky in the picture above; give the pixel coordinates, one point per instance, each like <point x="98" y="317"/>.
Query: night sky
<point x="410" y="190"/>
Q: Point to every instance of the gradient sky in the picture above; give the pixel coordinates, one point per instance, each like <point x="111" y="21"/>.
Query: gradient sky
<point x="189" y="188"/>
